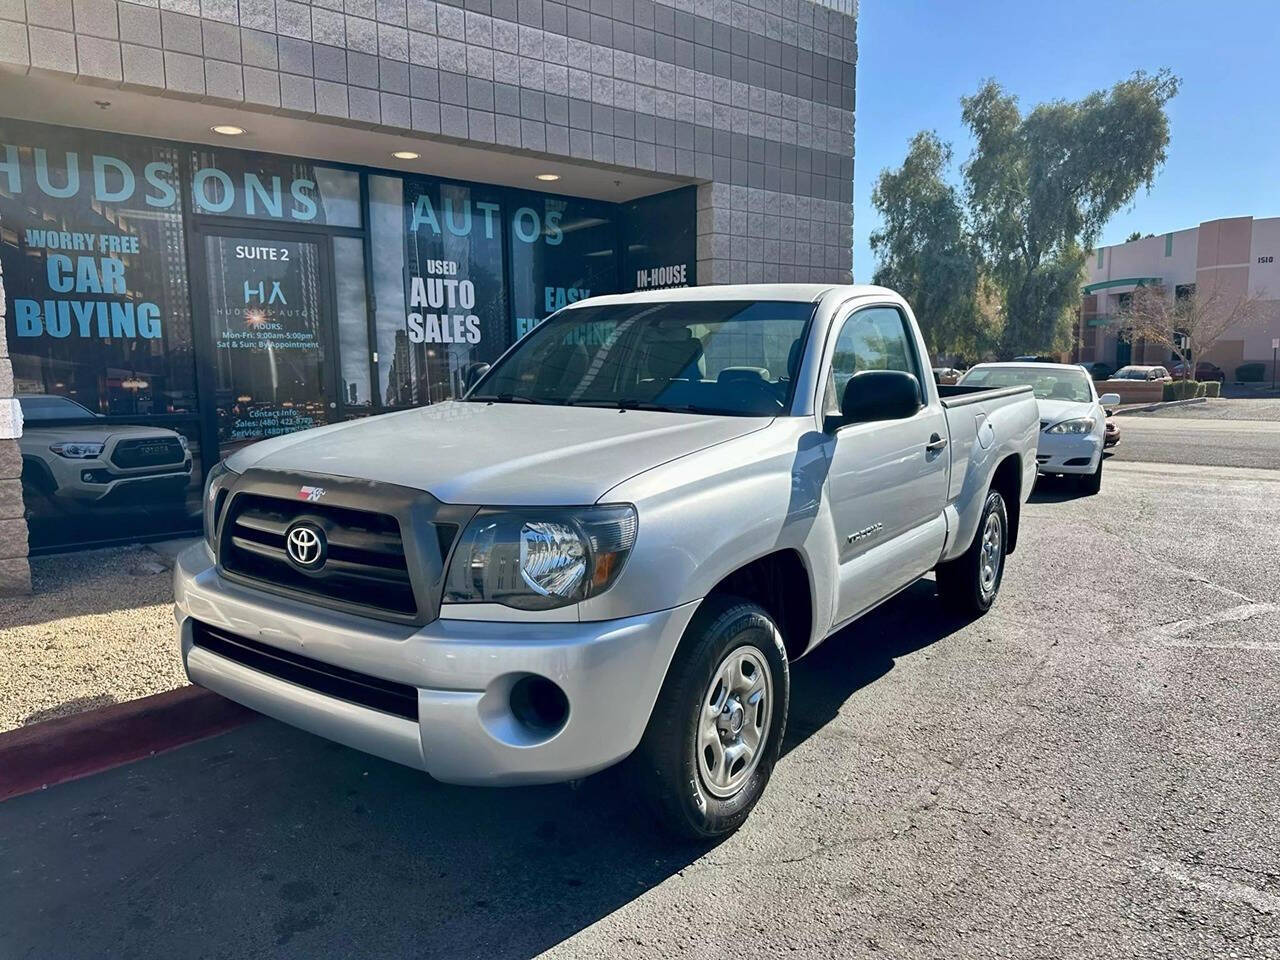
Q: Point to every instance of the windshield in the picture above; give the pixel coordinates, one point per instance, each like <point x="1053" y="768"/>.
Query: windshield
<point x="728" y="357"/>
<point x="1131" y="373"/>
<point x="1049" y="383"/>
<point x="52" y="408"/>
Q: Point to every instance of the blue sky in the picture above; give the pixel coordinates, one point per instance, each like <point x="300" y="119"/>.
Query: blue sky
<point x="916" y="59"/>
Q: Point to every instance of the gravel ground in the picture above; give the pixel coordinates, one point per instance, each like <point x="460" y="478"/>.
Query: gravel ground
<point x="98" y="630"/>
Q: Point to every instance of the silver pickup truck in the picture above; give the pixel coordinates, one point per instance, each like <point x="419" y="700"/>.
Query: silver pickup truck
<point x="612" y="547"/>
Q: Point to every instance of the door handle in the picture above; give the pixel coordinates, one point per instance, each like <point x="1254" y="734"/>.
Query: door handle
<point x="935" y="443"/>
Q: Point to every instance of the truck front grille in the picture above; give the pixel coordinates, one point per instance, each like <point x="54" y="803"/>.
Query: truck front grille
<point x="364" y="564"/>
<point x="375" y="693"/>
<point x="148" y="452"/>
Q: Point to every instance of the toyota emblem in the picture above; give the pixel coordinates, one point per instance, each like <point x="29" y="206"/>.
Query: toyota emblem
<point x="305" y="545"/>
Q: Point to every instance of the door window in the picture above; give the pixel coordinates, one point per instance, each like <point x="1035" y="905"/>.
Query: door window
<point x="872" y="339"/>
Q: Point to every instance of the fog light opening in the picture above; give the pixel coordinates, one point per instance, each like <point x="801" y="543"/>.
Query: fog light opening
<point x="539" y="705"/>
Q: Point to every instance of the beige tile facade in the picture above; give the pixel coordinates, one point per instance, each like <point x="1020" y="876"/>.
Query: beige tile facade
<point x="1237" y="255"/>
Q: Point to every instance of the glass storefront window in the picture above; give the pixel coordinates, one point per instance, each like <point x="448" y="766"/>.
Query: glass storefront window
<point x="105" y="338"/>
<point x="230" y="184"/>
<point x="562" y="250"/>
<point x="94" y="257"/>
<point x="387" y="230"/>
<point x="353" y="320"/>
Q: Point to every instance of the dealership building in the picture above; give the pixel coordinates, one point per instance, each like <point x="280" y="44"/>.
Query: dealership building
<point x="222" y="220"/>
<point x="1236" y="256"/>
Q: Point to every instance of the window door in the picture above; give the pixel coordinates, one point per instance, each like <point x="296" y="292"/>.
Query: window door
<point x="270" y="309"/>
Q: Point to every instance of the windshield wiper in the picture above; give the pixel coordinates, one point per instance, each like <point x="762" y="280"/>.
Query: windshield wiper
<point x="509" y="398"/>
<point x="633" y="404"/>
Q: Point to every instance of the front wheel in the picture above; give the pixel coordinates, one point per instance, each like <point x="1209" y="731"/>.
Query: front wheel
<point x="970" y="582"/>
<point x="1091" y="483"/>
<point x="717" y="728"/>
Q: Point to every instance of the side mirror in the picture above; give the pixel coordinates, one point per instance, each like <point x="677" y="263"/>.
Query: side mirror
<point x="1109" y="399"/>
<point x="472" y="374"/>
<point x="878" y="395"/>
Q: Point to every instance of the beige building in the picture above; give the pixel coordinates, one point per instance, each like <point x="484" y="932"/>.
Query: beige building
<point x="1239" y="255"/>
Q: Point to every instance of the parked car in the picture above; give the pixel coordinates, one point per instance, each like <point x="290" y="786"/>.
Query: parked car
<point x="69" y="466"/>
<point x="612" y="546"/>
<point x="1204" y="372"/>
<point x="1072" y="415"/>
<point x="1151" y="374"/>
<point x="945" y="375"/>
<point x="1100" y="370"/>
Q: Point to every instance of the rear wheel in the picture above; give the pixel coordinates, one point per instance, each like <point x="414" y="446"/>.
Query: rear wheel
<point x="1091" y="483"/>
<point x="970" y="582"/>
<point x="717" y="728"/>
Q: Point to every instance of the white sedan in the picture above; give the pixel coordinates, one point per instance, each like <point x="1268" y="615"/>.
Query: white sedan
<point x="1072" y="415"/>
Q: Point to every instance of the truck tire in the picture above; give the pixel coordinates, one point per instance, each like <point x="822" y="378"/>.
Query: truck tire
<point x="971" y="581"/>
<point x="717" y="727"/>
<point x="1091" y="483"/>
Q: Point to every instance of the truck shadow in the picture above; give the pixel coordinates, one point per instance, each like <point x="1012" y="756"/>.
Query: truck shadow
<point x="862" y="653"/>
<point x="270" y="842"/>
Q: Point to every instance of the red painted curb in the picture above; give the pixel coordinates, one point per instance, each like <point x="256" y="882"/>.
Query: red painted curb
<point x="55" y="751"/>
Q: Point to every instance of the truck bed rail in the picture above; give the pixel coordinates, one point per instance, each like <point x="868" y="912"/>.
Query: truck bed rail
<point x="958" y="395"/>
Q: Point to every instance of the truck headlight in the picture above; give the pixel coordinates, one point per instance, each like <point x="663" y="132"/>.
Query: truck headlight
<point x="78" y="449"/>
<point x="215" y="487"/>
<point x="1083" y="425"/>
<point x="538" y="559"/>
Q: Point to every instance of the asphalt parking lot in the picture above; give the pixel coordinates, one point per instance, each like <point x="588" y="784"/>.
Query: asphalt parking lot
<point x="1090" y="770"/>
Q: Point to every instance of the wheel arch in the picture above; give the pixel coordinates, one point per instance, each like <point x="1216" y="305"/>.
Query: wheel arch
<point x="781" y="583"/>
<point x="1007" y="481"/>
<point x="36" y="474"/>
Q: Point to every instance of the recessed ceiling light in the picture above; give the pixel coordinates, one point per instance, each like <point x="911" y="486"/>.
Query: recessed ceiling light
<point x="405" y="155"/>
<point x="227" y="130"/>
<point x="549" y="177"/>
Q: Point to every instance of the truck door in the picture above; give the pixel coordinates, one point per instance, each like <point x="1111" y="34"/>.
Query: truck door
<point x="887" y="479"/>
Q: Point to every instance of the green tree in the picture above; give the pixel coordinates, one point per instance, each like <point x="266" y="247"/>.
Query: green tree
<point x="923" y="247"/>
<point x="1037" y="190"/>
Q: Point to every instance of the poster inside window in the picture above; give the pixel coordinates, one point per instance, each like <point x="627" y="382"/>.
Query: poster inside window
<point x="268" y="308"/>
<point x="95" y="269"/>
<point x="456" y="299"/>
<point x="660" y="240"/>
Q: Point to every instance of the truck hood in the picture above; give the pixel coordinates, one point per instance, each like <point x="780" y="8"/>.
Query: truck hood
<point x="498" y="453"/>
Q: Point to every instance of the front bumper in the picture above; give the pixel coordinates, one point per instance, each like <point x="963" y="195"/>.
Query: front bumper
<point x="157" y="485"/>
<point x="463" y="671"/>
<point x="1067" y="453"/>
